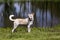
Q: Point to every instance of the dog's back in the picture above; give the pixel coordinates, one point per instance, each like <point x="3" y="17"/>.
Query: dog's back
<point x="22" y="21"/>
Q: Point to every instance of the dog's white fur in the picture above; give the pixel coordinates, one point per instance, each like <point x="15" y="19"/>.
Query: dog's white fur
<point x="22" y="21"/>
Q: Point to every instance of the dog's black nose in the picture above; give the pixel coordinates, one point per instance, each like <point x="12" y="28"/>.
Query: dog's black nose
<point x="30" y="19"/>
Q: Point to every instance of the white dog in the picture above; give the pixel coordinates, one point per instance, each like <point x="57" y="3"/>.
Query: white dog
<point x="28" y="21"/>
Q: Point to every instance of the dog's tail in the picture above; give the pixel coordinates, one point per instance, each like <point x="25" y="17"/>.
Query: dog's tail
<point x="10" y="17"/>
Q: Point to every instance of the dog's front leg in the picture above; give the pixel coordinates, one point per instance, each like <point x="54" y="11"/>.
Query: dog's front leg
<point x="30" y="23"/>
<point x="28" y="28"/>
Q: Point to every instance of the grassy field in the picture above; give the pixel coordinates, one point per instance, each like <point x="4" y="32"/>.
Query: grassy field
<point x="35" y="34"/>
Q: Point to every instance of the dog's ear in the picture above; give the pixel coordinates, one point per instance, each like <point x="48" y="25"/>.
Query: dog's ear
<point x="33" y="13"/>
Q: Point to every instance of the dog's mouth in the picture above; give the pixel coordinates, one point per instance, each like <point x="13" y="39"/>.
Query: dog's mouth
<point x="30" y="19"/>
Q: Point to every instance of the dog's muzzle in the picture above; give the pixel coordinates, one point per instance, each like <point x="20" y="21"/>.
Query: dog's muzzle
<point x="30" y="19"/>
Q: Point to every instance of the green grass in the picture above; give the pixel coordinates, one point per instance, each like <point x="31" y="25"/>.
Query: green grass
<point x="35" y="34"/>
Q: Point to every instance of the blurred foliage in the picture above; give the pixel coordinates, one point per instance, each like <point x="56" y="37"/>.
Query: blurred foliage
<point x="37" y="3"/>
<point x="28" y="0"/>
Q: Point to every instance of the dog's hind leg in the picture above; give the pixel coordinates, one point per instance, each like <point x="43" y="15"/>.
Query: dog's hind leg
<point x="15" y="26"/>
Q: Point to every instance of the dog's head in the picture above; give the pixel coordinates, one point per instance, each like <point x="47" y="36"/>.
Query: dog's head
<point x="31" y="16"/>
